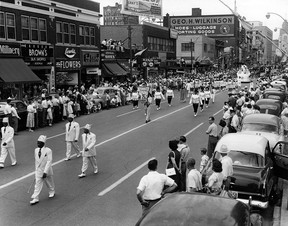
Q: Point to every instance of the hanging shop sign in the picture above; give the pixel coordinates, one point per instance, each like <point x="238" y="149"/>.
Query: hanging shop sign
<point x="10" y="49"/>
<point x="37" y="55"/>
<point x="108" y="55"/>
<point x="210" y="25"/>
<point x="90" y="57"/>
<point x="147" y="62"/>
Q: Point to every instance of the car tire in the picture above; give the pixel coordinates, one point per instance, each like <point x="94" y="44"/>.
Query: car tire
<point x="99" y="107"/>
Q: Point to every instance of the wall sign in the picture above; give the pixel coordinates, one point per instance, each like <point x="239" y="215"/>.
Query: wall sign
<point x="64" y="65"/>
<point x="37" y="55"/>
<point x="70" y="52"/>
<point x="10" y="49"/>
<point x="90" y="58"/>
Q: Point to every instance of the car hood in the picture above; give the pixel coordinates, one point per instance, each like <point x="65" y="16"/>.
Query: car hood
<point x="271" y="137"/>
<point x="247" y="179"/>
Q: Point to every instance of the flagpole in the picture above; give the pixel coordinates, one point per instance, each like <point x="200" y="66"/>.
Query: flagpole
<point x="130" y="48"/>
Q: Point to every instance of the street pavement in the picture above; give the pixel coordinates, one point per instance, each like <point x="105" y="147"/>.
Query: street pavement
<point x="124" y="146"/>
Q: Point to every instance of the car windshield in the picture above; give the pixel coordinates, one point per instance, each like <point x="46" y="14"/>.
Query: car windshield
<point x="100" y="91"/>
<point x="259" y="127"/>
<point x="243" y="158"/>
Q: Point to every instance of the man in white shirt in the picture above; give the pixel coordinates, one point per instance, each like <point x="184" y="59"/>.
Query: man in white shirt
<point x="7" y="110"/>
<point x="15" y="118"/>
<point x="194" y="178"/>
<point x="150" y="189"/>
<point x="71" y="137"/>
<point x="227" y="165"/>
<point x="234" y="121"/>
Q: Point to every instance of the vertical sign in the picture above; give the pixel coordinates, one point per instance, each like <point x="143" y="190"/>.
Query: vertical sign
<point x="52" y="80"/>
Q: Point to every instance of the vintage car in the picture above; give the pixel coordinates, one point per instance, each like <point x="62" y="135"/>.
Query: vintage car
<point x="256" y="168"/>
<point x="265" y="125"/>
<point x="21" y="108"/>
<point x="189" y="209"/>
<point x="279" y="84"/>
<point x="274" y="93"/>
<point x="270" y="106"/>
<point x="100" y="100"/>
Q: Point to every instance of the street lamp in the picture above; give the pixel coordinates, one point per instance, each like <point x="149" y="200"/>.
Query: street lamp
<point x="276" y="28"/>
<point x="269" y="13"/>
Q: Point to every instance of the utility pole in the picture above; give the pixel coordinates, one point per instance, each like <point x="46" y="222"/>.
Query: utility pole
<point x="191" y="55"/>
<point x="130" y="47"/>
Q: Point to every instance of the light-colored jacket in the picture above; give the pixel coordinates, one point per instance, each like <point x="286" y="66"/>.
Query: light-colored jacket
<point x="7" y="136"/>
<point x="73" y="133"/>
<point x="44" y="163"/>
<point x="90" y="143"/>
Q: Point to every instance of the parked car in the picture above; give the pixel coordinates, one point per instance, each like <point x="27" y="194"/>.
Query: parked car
<point x="191" y="209"/>
<point x="265" y="125"/>
<point x="274" y="93"/>
<point x="279" y="84"/>
<point x="270" y="106"/>
<point x="21" y="108"/>
<point x="256" y="168"/>
<point x="100" y="99"/>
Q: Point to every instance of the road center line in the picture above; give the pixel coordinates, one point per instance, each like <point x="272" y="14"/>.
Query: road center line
<point x="111" y="187"/>
<point x="192" y="130"/>
<point x="128" y="113"/>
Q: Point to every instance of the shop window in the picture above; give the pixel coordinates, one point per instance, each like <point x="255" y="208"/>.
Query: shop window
<point x="66" y="33"/>
<point x="2" y="25"/>
<point x="92" y="36"/>
<point x="43" y="30"/>
<point x="72" y="33"/>
<point x="10" y="24"/>
<point x="34" y="29"/>
<point x="25" y="28"/>
<point x="81" y="35"/>
<point x="59" y="32"/>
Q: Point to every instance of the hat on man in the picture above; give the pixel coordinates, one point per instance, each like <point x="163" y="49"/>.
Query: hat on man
<point x="88" y="126"/>
<point x="223" y="149"/>
<point x="42" y="138"/>
<point x="70" y="116"/>
<point x="5" y="120"/>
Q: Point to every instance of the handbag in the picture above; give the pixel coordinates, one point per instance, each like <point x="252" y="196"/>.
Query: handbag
<point x="170" y="170"/>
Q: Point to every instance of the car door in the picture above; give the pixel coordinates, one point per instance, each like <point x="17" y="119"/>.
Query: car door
<point x="280" y="159"/>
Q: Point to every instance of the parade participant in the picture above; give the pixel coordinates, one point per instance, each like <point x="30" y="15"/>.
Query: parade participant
<point x="43" y="170"/>
<point x="49" y="115"/>
<point x="7" y="143"/>
<point x="212" y="131"/>
<point x="207" y="94"/>
<point x="135" y="97"/>
<point x="227" y="165"/>
<point x="169" y="95"/>
<point x="72" y="135"/>
<point x="157" y="97"/>
<point x="184" y="150"/>
<point x="30" y="116"/>
<point x="215" y="181"/>
<point x="195" y="100"/>
<point x="148" y="104"/>
<point x="202" y="97"/>
<point x="15" y="118"/>
<point x="7" y="110"/>
<point x="150" y="188"/>
<point x="204" y="159"/>
<point x="89" y="150"/>
<point x="213" y="94"/>
<point x="194" y="177"/>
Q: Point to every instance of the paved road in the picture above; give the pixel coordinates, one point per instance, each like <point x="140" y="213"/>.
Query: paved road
<point x="124" y="145"/>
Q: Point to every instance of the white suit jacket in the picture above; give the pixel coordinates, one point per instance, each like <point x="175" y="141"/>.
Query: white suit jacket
<point x="7" y="136"/>
<point x="44" y="163"/>
<point x="73" y="133"/>
<point x="90" y="143"/>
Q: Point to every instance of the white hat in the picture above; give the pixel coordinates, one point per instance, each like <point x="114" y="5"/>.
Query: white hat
<point x="88" y="126"/>
<point x="70" y="116"/>
<point x="5" y="120"/>
<point x="223" y="149"/>
<point x="42" y="138"/>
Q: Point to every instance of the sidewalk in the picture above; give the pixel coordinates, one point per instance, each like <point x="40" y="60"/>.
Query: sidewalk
<point x="284" y="205"/>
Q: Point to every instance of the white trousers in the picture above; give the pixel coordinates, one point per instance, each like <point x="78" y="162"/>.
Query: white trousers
<point x="213" y="97"/>
<point x="4" y="153"/>
<point x="69" y="145"/>
<point x="49" y="181"/>
<point x="92" y="160"/>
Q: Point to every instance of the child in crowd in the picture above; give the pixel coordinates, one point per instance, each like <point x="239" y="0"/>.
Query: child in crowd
<point x="204" y="159"/>
<point x="49" y="115"/>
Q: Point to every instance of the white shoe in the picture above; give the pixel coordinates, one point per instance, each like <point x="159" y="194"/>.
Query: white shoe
<point x="78" y="155"/>
<point x="82" y="175"/>
<point x="96" y="171"/>
<point x="14" y="163"/>
<point x="194" y="115"/>
<point x="34" y="201"/>
<point x="51" y="195"/>
<point x="67" y="159"/>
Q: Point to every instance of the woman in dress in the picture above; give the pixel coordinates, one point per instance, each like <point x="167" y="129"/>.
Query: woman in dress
<point x="158" y="96"/>
<point x="195" y="100"/>
<point x="202" y="97"/>
<point x="215" y="181"/>
<point x="30" y="116"/>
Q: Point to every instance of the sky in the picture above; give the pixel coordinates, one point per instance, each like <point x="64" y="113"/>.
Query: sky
<point x="253" y="10"/>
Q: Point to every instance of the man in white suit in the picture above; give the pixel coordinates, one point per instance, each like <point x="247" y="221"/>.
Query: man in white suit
<point x="43" y="170"/>
<point x="72" y="135"/>
<point x="89" y="150"/>
<point x="7" y="144"/>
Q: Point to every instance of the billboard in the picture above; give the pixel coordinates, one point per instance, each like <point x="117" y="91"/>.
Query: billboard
<point x="210" y="25"/>
<point x="142" y="7"/>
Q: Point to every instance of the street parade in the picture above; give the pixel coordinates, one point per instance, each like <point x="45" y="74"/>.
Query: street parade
<point x="123" y="134"/>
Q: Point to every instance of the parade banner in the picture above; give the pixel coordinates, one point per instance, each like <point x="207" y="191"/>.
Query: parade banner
<point x="142" y="7"/>
<point x="210" y="25"/>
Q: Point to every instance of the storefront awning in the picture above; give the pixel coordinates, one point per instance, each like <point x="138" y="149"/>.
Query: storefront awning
<point x="14" y="70"/>
<point x="113" y="69"/>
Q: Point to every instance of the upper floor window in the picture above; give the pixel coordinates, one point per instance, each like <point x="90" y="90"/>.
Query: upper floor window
<point x="33" y="29"/>
<point x="25" y="22"/>
<point x="87" y="35"/>
<point x="43" y="30"/>
<point x="7" y="26"/>
<point x="205" y="47"/>
<point x="187" y="47"/>
<point x="65" y="33"/>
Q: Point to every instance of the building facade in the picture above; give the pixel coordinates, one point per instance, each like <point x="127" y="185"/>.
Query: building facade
<point x="58" y="40"/>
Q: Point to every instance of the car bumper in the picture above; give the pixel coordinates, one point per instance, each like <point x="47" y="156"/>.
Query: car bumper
<point x="255" y="203"/>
